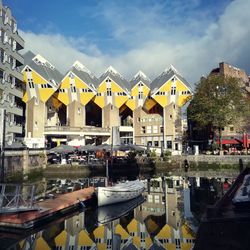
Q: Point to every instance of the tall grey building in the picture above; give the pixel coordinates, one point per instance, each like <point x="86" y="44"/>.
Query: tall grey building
<point x="11" y="92"/>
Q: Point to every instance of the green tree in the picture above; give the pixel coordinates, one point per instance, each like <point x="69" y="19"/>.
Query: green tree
<point x="218" y="102"/>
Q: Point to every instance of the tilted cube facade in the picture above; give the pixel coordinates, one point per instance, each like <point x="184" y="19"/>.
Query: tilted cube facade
<point x="79" y="108"/>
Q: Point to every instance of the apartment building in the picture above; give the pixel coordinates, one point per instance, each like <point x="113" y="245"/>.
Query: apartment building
<point x="11" y="84"/>
<point x="79" y="108"/>
<point x="232" y="135"/>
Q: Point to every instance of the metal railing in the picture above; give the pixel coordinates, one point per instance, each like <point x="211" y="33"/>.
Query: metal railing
<point x="16" y="198"/>
<point x="75" y="129"/>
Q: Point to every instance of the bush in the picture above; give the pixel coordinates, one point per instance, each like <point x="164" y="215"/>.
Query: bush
<point x="153" y="153"/>
<point x="166" y="155"/>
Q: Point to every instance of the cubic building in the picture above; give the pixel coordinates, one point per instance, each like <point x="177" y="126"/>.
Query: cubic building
<point x="11" y="84"/>
<point x="79" y="108"/>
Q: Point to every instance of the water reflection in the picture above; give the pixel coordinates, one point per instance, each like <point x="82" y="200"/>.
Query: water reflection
<point x="163" y="218"/>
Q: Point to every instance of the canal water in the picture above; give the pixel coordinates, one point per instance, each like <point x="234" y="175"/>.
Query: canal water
<point x="166" y="216"/>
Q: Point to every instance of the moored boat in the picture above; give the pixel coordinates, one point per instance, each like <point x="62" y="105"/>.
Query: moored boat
<point x="119" y="192"/>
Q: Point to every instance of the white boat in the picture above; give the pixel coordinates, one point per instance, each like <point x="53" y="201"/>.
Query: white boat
<point x="119" y="192"/>
<point x="243" y="193"/>
<point x="106" y="214"/>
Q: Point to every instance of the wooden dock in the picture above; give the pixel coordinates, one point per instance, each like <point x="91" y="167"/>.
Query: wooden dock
<point x="48" y="210"/>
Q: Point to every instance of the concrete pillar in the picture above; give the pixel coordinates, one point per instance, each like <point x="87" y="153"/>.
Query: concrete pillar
<point x="110" y="115"/>
<point x="25" y="161"/>
<point x="35" y="123"/>
<point x="76" y="114"/>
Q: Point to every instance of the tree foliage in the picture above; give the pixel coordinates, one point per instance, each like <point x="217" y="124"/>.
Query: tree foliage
<point x="218" y="102"/>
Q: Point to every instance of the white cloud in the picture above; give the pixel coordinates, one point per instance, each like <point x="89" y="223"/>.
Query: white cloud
<point x="155" y="47"/>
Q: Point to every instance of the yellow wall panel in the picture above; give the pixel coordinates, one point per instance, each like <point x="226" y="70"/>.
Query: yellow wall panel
<point x="131" y="104"/>
<point x="37" y="78"/>
<point x="120" y="100"/>
<point x="56" y="103"/>
<point x="183" y="99"/>
<point x="84" y="239"/>
<point x="166" y="86"/>
<point x="99" y="100"/>
<point x="25" y="79"/>
<point x="86" y="97"/>
<point x="115" y="87"/>
<point x="121" y="231"/>
<point x="99" y="232"/>
<point x="45" y="93"/>
<point x="148" y="242"/>
<point x="132" y="226"/>
<point x="101" y="246"/>
<point x="61" y="239"/>
<point x="186" y="246"/>
<point x="65" y="83"/>
<point x="102" y="87"/>
<point x="186" y="232"/>
<point x="41" y="244"/>
<point x="80" y="84"/>
<point x="165" y="232"/>
<point x="161" y="99"/>
<point x="137" y="241"/>
<point x="180" y="86"/>
<point x="170" y="246"/>
<point x="25" y="97"/>
<point x="146" y="90"/>
<point x="134" y="91"/>
<point x="63" y="97"/>
<point x="149" y="103"/>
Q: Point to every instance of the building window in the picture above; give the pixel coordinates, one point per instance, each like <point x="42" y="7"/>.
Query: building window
<point x="109" y="93"/>
<point x="31" y="84"/>
<point x="98" y="94"/>
<point x="28" y="69"/>
<point x="73" y="88"/>
<point x="160" y="93"/>
<point x="169" y="144"/>
<point x="108" y="80"/>
<point x="1" y="74"/>
<point x="149" y="129"/>
<point x="155" y="129"/>
<point x="176" y="146"/>
<point x="140" y="96"/>
<point x="143" y="129"/>
<point x="231" y="129"/>
<point x="156" y="143"/>
<point x="173" y="90"/>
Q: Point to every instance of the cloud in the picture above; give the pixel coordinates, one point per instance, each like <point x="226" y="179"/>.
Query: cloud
<point x="194" y="47"/>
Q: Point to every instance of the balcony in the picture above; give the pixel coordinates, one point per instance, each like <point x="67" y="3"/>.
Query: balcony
<point x="69" y="130"/>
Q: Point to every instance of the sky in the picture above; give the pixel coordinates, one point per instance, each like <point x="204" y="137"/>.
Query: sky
<point x="132" y="35"/>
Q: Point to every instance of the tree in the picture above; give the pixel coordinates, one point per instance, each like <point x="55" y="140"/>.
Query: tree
<point x="218" y="102"/>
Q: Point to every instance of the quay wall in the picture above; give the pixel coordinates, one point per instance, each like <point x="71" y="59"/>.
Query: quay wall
<point x="223" y="159"/>
<point x="24" y="160"/>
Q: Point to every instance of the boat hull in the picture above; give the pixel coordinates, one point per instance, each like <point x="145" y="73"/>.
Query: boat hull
<point x="119" y="193"/>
